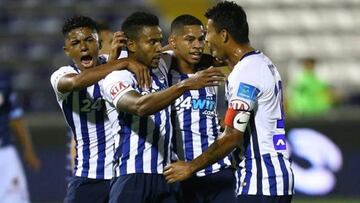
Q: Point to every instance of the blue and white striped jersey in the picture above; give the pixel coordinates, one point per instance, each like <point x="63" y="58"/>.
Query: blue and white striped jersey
<point x="264" y="166"/>
<point x="142" y="143"/>
<point x="195" y="123"/>
<point x="88" y="116"/>
<point x="9" y="109"/>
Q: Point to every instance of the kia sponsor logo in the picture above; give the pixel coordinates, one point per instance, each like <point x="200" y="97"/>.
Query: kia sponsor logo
<point x="239" y="105"/>
<point x="117" y="88"/>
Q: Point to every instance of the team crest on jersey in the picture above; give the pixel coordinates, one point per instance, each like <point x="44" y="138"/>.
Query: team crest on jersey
<point x="247" y="91"/>
<point x="118" y="88"/>
<point x="239" y="105"/>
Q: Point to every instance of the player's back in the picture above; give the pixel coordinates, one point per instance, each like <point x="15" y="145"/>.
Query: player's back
<point x="255" y="85"/>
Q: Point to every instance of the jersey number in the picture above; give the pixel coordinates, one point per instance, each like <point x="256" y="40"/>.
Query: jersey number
<point x="186" y="104"/>
<point x="88" y="105"/>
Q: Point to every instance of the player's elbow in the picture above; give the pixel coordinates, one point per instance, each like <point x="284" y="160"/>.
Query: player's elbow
<point x="75" y="85"/>
<point x="142" y="109"/>
<point x="67" y="85"/>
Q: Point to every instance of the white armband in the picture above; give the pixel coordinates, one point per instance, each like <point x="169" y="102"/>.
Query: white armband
<point x="241" y="120"/>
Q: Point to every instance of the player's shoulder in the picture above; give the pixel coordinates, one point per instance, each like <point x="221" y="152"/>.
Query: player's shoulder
<point x="65" y="69"/>
<point x="166" y="60"/>
<point x="252" y="64"/>
<point x="119" y="75"/>
<point x="62" y="71"/>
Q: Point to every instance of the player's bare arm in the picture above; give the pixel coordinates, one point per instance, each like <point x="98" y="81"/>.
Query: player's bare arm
<point x="230" y="139"/>
<point x="88" y="77"/>
<point x="143" y="105"/>
<point x="23" y="136"/>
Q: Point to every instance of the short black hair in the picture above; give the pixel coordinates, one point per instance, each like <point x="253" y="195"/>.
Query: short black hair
<point x="136" y="21"/>
<point x="231" y="17"/>
<point x="183" y="20"/>
<point x="77" y="22"/>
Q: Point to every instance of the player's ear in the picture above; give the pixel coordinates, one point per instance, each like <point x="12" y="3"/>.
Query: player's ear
<point x="224" y="35"/>
<point x="131" y="45"/>
<point x="66" y="51"/>
<point x="171" y="42"/>
<point x="100" y="43"/>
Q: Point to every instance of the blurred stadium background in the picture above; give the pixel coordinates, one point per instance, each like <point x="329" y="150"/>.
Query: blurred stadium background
<point x="325" y="148"/>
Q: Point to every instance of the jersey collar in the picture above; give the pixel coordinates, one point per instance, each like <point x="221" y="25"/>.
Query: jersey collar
<point x="250" y="53"/>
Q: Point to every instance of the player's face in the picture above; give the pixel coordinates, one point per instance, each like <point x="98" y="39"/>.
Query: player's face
<point x="214" y="40"/>
<point x="82" y="46"/>
<point x="189" y="43"/>
<point x="148" y="46"/>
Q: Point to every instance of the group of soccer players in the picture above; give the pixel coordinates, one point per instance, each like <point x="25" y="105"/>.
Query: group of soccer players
<point x="144" y="120"/>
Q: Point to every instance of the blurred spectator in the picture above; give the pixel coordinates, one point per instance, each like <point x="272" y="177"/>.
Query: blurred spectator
<point x="308" y="95"/>
<point x="13" y="186"/>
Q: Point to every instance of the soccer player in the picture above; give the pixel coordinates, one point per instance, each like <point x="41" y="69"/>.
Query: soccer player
<point x="105" y="38"/>
<point x="77" y="88"/>
<point x="143" y="143"/>
<point x="13" y="188"/>
<point x="195" y="117"/>
<point x="254" y="119"/>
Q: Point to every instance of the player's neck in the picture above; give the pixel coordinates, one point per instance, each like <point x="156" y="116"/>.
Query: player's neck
<point x="184" y="67"/>
<point x="236" y="53"/>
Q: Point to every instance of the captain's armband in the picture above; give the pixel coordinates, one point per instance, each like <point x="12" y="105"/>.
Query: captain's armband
<point x="237" y="119"/>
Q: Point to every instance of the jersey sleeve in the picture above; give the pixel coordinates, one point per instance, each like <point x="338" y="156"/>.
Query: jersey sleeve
<point x="166" y="60"/>
<point x="244" y="90"/>
<point x="116" y="84"/>
<point x="123" y="54"/>
<point x="57" y="75"/>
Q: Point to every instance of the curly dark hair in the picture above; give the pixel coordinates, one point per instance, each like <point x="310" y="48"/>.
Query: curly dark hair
<point x="136" y="21"/>
<point x="231" y="17"/>
<point x="77" y="22"/>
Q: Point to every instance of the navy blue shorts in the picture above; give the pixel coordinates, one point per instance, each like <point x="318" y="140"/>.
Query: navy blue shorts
<point x="218" y="187"/>
<point x="264" y="199"/>
<point x="85" y="190"/>
<point x="144" y="188"/>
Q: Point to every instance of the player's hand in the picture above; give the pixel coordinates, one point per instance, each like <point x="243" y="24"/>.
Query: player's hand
<point x="141" y="72"/>
<point x="177" y="171"/>
<point x="209" y="77"/>
<point x="118" y="42"/>
<point x="32" y="160"/>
